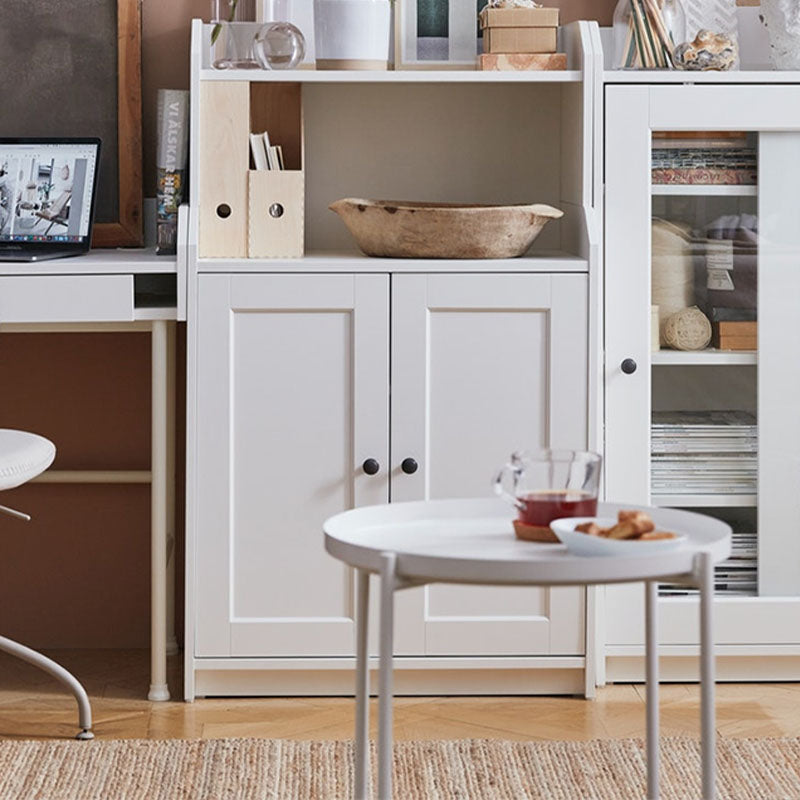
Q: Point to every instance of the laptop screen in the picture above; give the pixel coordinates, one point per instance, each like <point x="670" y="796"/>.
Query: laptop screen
<point x="46" y="191"/>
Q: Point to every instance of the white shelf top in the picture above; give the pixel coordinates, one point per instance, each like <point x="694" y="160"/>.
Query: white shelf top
<point x="704" y="190"/>
<point x="709" y="357"/>
<point x="392" y="76"/>
<point x="705" y="500"/>
<point x="110" y="261"/>
<point x="548" y="261"/>
<point x="682" y="76"/>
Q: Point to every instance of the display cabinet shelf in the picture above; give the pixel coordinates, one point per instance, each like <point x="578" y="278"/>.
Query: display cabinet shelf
<point x="704" y="190"/>
<point x="705" y="500"/>
<point x="708" y="357"/>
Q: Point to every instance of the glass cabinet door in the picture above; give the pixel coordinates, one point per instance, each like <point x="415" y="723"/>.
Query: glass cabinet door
<point x="704" y="336"/>
<point x="702" y="316"/>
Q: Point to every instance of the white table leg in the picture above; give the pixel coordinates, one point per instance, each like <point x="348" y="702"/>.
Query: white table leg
<point x="158" y="515"/>
<point x="362" y="686"/>
<point x="705" y="574"/>
<point x="172" y="642"/>
<point x="651" y="656"/>
<point x="388" y="582"/>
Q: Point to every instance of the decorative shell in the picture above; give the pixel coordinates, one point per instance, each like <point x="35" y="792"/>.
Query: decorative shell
<point x="688" y="329"/>
<point x="708" y="51"/>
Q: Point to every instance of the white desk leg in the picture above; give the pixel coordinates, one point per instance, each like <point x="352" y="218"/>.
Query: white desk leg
<point x="158" y="515"/>
<point x="172" y="642"/>
<point x="388" y="582"/>
<point x="651" y="656"/>
<point x="362" y="685"/>
<point x="705" y="573"/>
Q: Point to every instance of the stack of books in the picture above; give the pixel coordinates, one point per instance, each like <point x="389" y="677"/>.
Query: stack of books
<point x="738" y="576"/>
<point x="704" y="452"/>
<point x="713" y="161"/>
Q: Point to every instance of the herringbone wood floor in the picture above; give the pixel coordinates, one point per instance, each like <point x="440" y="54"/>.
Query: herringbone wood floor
<point x="33" y="706"/>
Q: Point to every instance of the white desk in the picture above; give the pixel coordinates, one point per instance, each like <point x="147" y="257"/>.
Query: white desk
<point x="471" y="541"/>
<point x="96" y="293"/>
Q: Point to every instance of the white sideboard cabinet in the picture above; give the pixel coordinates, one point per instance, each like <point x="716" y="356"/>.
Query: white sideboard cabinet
<point x="739" y="245"/>
<point x="320" y="379"/>
<point x="294" y="378"/>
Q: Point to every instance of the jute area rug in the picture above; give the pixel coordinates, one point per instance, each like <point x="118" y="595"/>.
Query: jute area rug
<point x="257" y="769"/>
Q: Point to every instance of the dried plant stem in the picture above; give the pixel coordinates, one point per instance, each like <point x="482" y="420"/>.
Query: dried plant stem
<point x="648" y="43"/>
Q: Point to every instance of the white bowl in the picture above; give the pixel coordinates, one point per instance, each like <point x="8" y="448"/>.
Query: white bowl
<point x="581" y="544"/>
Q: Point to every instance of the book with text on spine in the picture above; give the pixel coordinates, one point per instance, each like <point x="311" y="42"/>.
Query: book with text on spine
<point x="171" y="153"/>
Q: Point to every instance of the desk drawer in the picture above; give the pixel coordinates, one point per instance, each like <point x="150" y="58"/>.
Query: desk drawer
<point x="66" y="298"/>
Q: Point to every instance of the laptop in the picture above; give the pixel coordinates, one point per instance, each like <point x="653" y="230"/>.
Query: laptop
<point x="47" y="190"/>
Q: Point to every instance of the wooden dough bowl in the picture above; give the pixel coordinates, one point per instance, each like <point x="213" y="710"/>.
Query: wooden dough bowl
<point x="388" y="229"/>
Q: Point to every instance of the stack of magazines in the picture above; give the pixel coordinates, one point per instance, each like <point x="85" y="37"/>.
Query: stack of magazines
<point x="736" y="576"/>
<point x="698" y="161"/>
<point x="704" y="452"/>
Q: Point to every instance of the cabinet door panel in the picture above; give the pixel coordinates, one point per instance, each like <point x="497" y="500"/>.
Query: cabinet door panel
<point x="293" y="397"/>
<point x="627" y="286"/>
<point x="483" y="365"/>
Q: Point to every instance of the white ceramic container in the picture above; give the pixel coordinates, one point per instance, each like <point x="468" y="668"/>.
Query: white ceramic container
<point x="352" y="34"/>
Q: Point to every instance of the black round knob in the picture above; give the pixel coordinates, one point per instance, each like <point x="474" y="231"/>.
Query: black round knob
<point x="371" y="466"/>
<point x="409" y="466"/>
<point x="628" y="366"/>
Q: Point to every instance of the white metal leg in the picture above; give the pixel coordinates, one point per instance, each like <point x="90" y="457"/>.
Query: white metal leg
<point x="705" y="574"/>
<point x="590" y="648"/>
<point x="651" y="657"/>
<point x="60" y="674"/>
<point x="388" y="585"/>
<point x="362" y="686"/>
<point x="158" y="515"/>
<point x="172" y="642"/>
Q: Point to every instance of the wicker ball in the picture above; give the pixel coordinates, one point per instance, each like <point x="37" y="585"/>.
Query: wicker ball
<point x="688" y="329"/>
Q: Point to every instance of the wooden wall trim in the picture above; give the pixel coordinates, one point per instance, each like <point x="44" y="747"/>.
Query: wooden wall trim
<point x="127" y="231"/>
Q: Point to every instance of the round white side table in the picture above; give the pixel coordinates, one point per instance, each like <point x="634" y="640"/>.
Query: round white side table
<point x="471" y="541"/>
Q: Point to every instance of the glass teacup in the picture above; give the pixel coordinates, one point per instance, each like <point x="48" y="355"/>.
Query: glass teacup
<point x="544" y="485"/>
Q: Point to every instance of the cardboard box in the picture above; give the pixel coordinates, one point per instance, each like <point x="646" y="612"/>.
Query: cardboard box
<point x="738" y="328"/>
<point x="522" y="61"/>
<point x="735" y="335"/>
<point x="519" y="40"/>
<point x="519" y="18"/>
<point x="738" y="343"/>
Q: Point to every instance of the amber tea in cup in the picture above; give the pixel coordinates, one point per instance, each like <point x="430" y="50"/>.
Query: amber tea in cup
<point x="548" y="485"/>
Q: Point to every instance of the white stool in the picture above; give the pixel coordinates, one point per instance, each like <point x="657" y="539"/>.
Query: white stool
<point x="24" y="456"/>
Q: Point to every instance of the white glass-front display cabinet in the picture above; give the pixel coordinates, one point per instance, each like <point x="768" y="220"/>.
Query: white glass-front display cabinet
<point x="702" y="374"/>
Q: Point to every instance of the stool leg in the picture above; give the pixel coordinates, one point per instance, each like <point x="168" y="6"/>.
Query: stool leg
<point x="388" y="585"/>
<point x="60" y="674"/>
<point x="362" y="686"/>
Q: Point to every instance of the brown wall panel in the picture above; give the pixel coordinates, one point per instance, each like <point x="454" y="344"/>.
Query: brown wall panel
<point x="77" y="575"/>
<point x="88" y="392"/>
